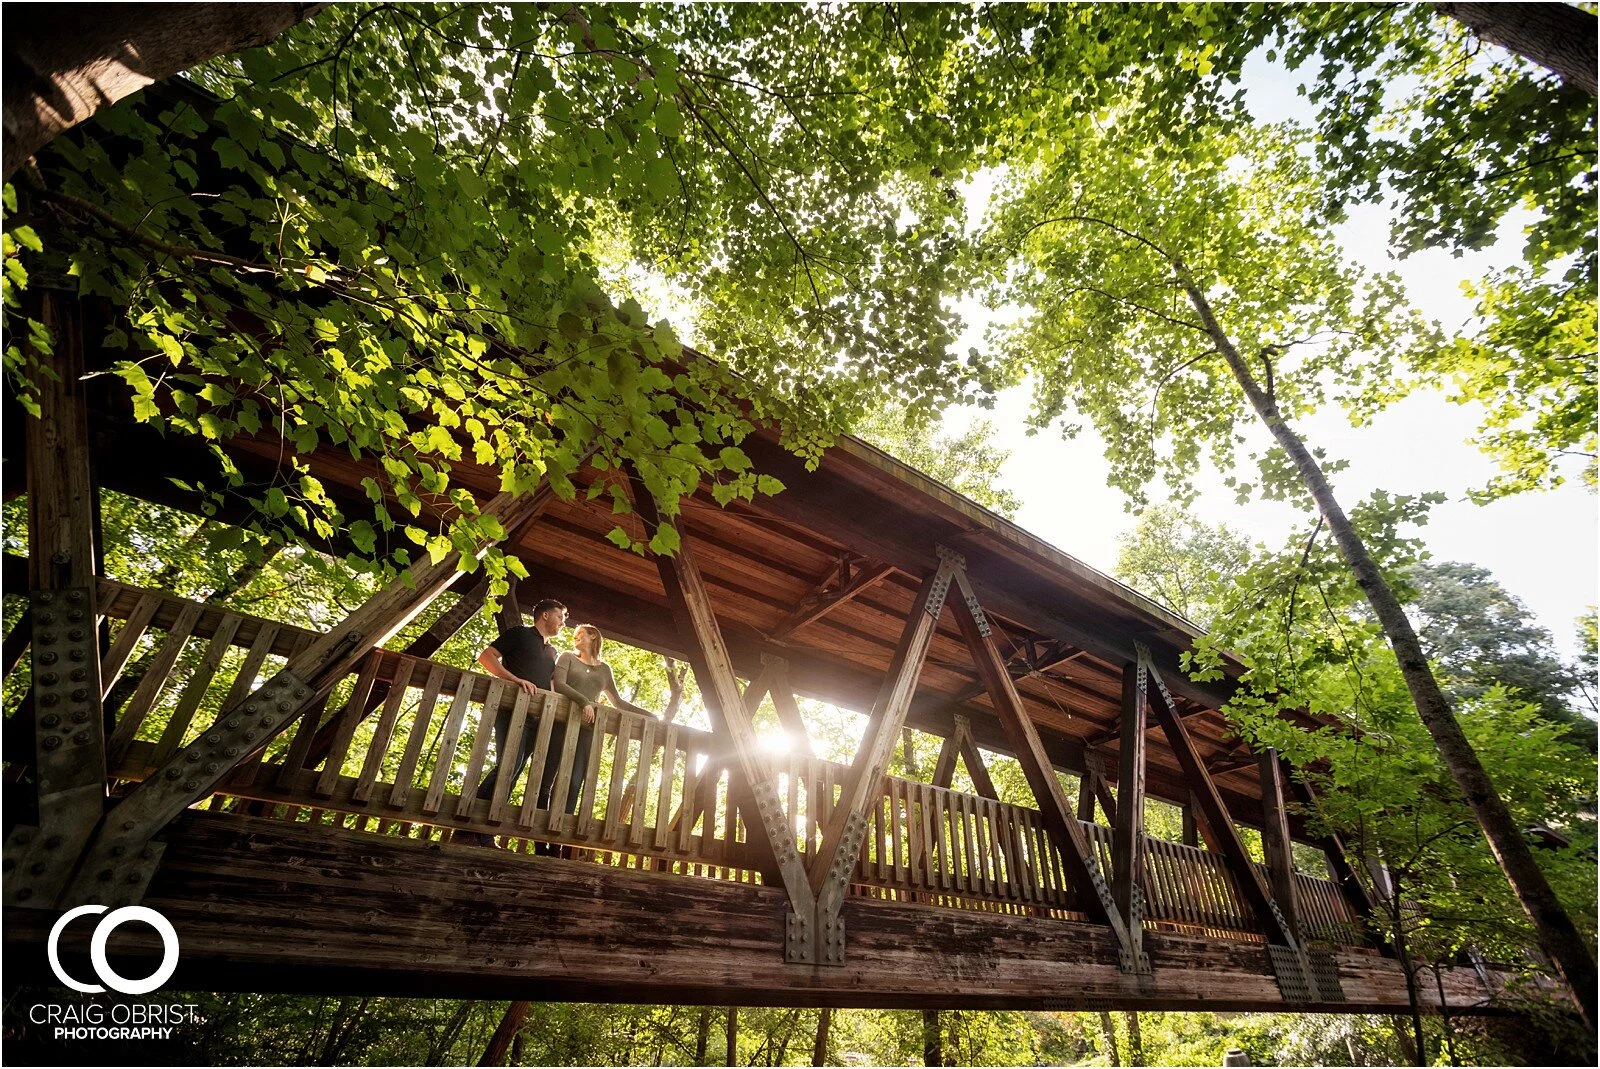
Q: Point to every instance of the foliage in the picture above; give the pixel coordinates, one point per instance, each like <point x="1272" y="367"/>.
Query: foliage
<point x="1479" y="636"/>
<point x="397" y="258"/>
<point x="1181" y="561"/>
<point x="967" y="462"/>
<point x="1100" y="238"/>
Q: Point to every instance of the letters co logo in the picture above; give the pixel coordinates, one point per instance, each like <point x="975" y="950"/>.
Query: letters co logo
<point x="97" y="950"/>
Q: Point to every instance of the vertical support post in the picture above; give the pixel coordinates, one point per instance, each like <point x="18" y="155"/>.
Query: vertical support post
<point x="1191" y="834"/>
<point x="1095" y="778"/>
<point x="69" y="736"/>
<point x="1275" y="840"/>
<point x="1127" y="839"/>
<point x="1078" y="858"/>
<point x="121" y="858"/>
<point x="847" y="824"/>
<point x="770" y="830"/>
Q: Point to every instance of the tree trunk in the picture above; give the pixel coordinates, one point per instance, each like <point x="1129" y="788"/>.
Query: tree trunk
<point x="447" y="1035"/>
<point x="500" y="1042"/>
<point x="733" y="1036"/>
<point x="932" y="1039"/>
<point x="703" y="1035"/>
<point x="1109" y="1032"/>
<point x="64" y="62"/>
<point x="1558" y="936"/>
<point x="1408" y="1046"/>
<point x="1135" y="1040"/>
<point x="1555" y="36"/>
<point x="819" y="1049"/>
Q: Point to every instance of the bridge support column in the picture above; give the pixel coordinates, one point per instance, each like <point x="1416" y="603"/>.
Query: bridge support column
<point x="1127" y="840"/>
<point x="847" y="825"/>
<point x="752" y="781"/>
<point x="1082" y="868"/>
<point x="68" y="729"/>
<point x="122" y="857"/>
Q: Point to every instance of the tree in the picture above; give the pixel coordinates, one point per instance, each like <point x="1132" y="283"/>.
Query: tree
<point x="1478" y="636"/>
<point x="64" y="64"/>
<point x="1182" y="562"/>
<point x="419" y="241"/>
<point x="968" y="463"/>
<point x="1182" y="293"/>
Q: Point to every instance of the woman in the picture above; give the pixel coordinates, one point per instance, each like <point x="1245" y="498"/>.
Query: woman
<point x="583" y="677"/>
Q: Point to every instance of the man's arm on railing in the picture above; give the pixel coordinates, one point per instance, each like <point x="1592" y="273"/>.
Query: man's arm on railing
<point x="490" y="659"/>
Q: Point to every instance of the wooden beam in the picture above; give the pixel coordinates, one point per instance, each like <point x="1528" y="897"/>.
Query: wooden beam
<point x="1037" y="663"/>
<point x="1216" y="815"/>
<point x="1127" y="839"/>
<point x="848" y="577"/>
<point x="975" y="766"/>
<point x="121" y="858"/>
<point x="1191" y="834"/>
<point x="1095" y="770"/>
<point x="1275" y="842"/>
<point x="847" y="823"/>
<point x="67" y="715"/>
<point x="752" y="780"/>
<point x="1344" y="872"/>
<point x="788" y="709"/>
<point x="1078" y="858"/>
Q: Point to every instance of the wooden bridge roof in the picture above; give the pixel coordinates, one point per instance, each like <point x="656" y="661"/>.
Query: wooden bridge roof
<point x="1070" y="628"/>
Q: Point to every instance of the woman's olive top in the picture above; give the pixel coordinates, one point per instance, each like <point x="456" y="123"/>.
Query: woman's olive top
<point x="583" y="683"/>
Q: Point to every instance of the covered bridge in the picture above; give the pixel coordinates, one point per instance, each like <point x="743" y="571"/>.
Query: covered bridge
<point x="288" y="799"/>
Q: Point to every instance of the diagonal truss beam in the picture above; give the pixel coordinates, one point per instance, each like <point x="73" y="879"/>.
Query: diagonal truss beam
<point x="753" y="783"/>
<point x="1078" y="858"/>
<point x="847" y="824"/>
<point x="1216" y="815"/>
<point x="959" y="744"/>
<point x="849" y="576"/>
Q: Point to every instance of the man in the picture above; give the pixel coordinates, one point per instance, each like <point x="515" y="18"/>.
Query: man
<point x="523" y="655"/>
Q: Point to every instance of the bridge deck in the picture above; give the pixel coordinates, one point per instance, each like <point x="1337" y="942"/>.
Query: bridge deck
<point x="264" y="904"/>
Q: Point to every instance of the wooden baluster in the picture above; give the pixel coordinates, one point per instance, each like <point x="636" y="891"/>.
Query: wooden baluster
<point x="669" y="765"/>
<point x="294" y="758"/>
<point x="800" y="826"/>
<point x="556" y="817"/>
<point x="941" y="827"/>
<point x="896" y="837"/>
<point x="195" y="690"/>
<point x="128" y="636"/>
<point x="913" y="796"/>
<point x="619" y="767"/>
<point x="244" y="680"/>
<point x="691" y="790"/>
<point x="445" y="756"/>
<point x="488" y="712"/>
<point x="407" y="771"/>
<point x="151" y="685"/>
<point x="382" y="732"/>
<point x="604" y="715"/>
<point x="647" y="758"/>
<point x="355" y="708"/>
<point x="550" y="706"/>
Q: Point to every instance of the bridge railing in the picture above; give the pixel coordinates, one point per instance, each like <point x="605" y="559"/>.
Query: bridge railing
<point x="406" y="746"/>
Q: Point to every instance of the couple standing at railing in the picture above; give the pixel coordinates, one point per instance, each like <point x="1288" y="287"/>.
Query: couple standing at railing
<point x="523" y="655"/>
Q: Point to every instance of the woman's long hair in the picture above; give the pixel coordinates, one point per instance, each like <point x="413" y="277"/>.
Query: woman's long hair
<point x="599" y="639"/>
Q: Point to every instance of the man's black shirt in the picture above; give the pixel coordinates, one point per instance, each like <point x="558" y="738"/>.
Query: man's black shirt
<point x="526" y="654"/>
